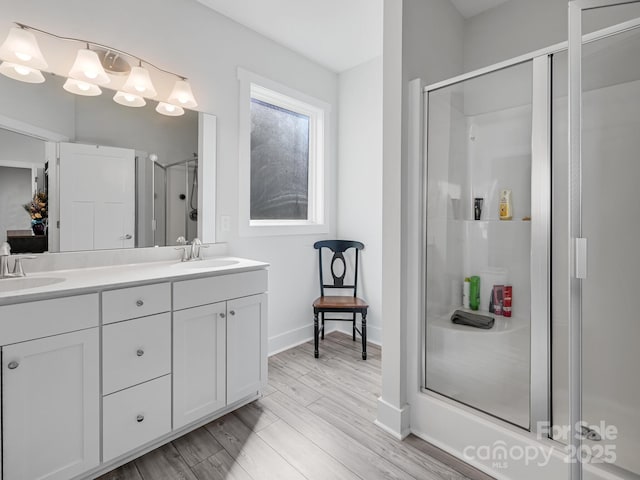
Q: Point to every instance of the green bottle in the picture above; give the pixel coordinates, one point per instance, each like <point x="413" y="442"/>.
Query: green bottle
<point x="474" y="293"/>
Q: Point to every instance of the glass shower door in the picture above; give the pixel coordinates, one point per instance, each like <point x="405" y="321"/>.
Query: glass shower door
<point x="479" y="232"/>
<point x="606" y="230"/>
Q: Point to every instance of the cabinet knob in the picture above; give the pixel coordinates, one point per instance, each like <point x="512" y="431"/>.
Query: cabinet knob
<point x="139" y="303"/>
<point x="140" y="418"/>
<point x="222" y="315"/>
<point x="13" y="365"/>
<point x="140" y="352"/>
<point x="232" y="312"/>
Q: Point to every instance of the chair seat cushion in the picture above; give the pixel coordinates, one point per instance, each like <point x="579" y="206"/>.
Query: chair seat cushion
<point x="339" y="302"/>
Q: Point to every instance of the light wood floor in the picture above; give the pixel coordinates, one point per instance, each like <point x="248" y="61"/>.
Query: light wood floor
<point x="314" y="422"/>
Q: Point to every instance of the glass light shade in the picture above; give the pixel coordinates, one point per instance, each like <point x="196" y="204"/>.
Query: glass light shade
<point x="170" y="110"/>
<point x="21" y="48"/>
<point x="21" y="72"/>
<point x="139" y="83"/>
<point x="81" y="88"/>
<point x="182" y="95"/>
<point x="88" y="68"/>
<point x="129" y="99"/>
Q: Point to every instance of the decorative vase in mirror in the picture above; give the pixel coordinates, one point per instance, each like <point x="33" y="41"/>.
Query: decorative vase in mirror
<point x="38" y="227"/>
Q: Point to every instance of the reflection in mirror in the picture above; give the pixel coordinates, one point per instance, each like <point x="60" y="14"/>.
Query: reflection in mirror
<point x="116" y="177"/>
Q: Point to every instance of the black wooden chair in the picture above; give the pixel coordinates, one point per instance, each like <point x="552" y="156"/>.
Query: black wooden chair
<point x="336" y="303"/>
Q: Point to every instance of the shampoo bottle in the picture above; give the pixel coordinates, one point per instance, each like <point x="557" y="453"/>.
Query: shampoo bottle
<point x="506" y="208"/>
<point x="474" y="292"/>
<point x="465" y="292"/>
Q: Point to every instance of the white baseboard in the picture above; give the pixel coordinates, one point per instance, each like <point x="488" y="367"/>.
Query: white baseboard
<point x="393" y="420"/>
<point x="374" y="334"/>
<point x="292" y="338"/>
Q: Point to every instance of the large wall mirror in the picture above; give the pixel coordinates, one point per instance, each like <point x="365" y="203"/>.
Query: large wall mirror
<point x="114" y="176"/>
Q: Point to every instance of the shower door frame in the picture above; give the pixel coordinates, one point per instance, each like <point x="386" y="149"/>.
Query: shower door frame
<point x="578" y="243"/>
<point x="539" y="365"/>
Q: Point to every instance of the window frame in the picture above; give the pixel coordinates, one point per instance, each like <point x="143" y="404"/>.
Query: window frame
<point x="274" y="93"/>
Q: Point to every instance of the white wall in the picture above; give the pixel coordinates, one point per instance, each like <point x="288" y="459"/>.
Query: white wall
<point x="20" y="148"/>
<point x="360" y="180"/>
<point x="422" y="38"/>
<point x="38" y="105"/>
<point x="188" y="38"/>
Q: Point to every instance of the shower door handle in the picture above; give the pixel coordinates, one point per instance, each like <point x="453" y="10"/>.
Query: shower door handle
<point x="581" y="258"/>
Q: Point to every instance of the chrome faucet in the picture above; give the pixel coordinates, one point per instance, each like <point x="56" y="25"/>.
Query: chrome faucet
<point x="5" y="254"/>
<point x="196" y="245"/>
<point x="192" y="251"/>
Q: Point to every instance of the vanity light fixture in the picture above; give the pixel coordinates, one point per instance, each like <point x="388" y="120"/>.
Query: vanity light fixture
<point x="87" y="68"/>
<point x="182" y="95"/>
<point x="169" y="110"/>
<point x="129" y="99"/>
<point x="139" y="82"/>
<point x="21" y="72"/>
<point x="22" y="60"/>
<point x="80" y="87"/>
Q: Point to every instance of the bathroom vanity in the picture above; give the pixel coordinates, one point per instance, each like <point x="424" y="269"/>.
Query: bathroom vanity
<point x="101" y="365"/>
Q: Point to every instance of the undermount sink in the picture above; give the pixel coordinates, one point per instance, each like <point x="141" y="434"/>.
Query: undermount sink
<point x="206" y="264"/>
<point x="23" y="283"/>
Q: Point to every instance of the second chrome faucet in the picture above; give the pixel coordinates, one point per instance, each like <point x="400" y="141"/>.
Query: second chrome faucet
<point x="192" y="251"/>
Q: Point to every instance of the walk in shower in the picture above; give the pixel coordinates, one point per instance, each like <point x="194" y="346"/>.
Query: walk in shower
<point x="558" y="132"/>
<point x="175" y="200"/>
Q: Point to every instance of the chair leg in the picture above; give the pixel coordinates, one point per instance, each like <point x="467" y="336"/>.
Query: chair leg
<point x="322" y="325"/>
<point x="315" y="334"/>
<point x="354" y="327"/>
<point x="364" y="335"/>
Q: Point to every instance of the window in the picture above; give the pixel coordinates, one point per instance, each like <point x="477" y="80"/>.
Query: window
<point x="282" y="145"/>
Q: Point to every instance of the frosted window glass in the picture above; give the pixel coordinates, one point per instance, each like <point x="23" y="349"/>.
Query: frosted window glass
<point x="279" y="163"/>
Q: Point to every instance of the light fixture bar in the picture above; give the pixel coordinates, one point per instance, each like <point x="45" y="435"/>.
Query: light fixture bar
<point x="99" y="45"/>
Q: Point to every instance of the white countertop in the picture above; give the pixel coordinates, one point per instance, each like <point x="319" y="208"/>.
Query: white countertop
<point x="86" y="280"/>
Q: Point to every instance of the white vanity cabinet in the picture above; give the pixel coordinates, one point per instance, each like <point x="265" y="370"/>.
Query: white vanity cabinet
<point x="91" y="381"/>
<point x="199" y="359"/>
<point x="136" y="367"/>
<point x="50" y="388"/>
<point x="215" y="360"/>
<point x="246" y="346"/>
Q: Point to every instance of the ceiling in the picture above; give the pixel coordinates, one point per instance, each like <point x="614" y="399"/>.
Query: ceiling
<point x="338" y="34"/>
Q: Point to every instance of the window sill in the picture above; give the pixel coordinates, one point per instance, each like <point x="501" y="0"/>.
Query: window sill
<point x="264" y="228"/>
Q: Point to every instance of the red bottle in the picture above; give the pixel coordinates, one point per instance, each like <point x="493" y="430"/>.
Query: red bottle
<point x="507" y="300"/>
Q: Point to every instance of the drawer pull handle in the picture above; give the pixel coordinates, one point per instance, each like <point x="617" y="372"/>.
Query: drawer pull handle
<point x="139" y="303"/>
<point x="13" y="365"/>
<point x="140" y="418"/>
<point x="222" y="315"/>
<point x="232" y="312"/>
<point x="140" y="352"/>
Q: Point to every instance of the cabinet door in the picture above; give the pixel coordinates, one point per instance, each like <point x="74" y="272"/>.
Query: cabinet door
<point x="198" y="362"/>
<point x="50" y="406"/>
<point x="246" y="346"/>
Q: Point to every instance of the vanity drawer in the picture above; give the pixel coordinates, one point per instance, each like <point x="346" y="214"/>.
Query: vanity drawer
<point x="202" y="291"/>
<point x="134" y="302"/>
<point x="135" y="351"/>
<point x="135" y="416"/>
<point x="27" y="321"/>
